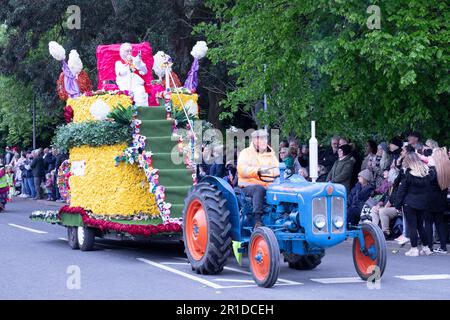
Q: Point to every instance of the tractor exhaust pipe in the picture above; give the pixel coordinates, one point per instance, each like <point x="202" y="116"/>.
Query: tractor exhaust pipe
<point x="313" y="154"/>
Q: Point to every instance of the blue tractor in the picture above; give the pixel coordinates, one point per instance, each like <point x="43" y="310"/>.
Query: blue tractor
<point x="301" y="219"/>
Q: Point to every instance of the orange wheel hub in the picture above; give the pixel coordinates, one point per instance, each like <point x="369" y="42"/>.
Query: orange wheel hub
<point x="260" y="258"/>
<point x="364" y="262"/>
<point x="196" y="230"/>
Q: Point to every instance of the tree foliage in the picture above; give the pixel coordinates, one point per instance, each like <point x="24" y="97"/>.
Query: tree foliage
<point x="325" y="64"/>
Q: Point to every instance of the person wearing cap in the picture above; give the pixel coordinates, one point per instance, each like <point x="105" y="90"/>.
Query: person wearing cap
<point x="342" y="169"/>
<point x="256" y="160"/>
<point x="360" y="193"/>
<point x="395" y="147"/>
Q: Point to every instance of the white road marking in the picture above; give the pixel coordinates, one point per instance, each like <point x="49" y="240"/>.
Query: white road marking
<point x="63" y="239"/>
<point x="425" y="277"/>
<point x="181" y="273"/>
<point x="234" y="280"/>
<point x="27" y="229"/>
<point x="249" y="273"/>
<point x="175" y="263"/>
<point x="338" y="280"/>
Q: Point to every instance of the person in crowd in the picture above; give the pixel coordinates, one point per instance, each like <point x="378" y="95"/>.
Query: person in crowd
<point x="437" y="199"/>
<point x="29" y="175"/>
<point x="343" y="140"/>
<point x="287" y="156"/>
<point x="59" y="158"/>
<point x="293" y="143"/>
<point x="342" y="170"/>
<point x="9" y="173"/>
<point x="382" y="163"/>
<point x="7" y="158"/>
<point x="383" y="212"/>
<point x="303" y="158"/>
<point x="284" y="144"/>
<point x="370" y="158"/>
<point x="49" y="184"/>
<point x="330" y="156"/>
<point x="231" y="174"/>
<point x="358" y="162"/>
<point x="217" y="168"/>
<point x="360" y="193"/>
<point x="38" y="169"/>
<point x="304" y="173"/>
<point x="49" y="161"/>
<point x="412" y="198"/>
<point x="322" y="172"/>
<point x="19" y="174"/>
<point x="414" y="139"/>
<point x="4" y="188"/>
<point x="385" y="184"/>
<point x="395" y="148"/>
<point x="254" y="162"/>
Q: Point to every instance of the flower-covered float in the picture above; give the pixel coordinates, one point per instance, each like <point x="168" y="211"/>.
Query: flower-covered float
<point x="121" y="177"/>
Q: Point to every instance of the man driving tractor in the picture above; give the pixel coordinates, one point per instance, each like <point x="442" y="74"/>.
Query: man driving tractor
<point x="257" y="167"/>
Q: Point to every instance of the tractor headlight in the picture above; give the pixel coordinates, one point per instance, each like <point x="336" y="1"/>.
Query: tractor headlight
<point x="337" y="214"/>
<point x="338" y="222"/>
<point x="319" y="215"/>
<point x="320" y="222"/>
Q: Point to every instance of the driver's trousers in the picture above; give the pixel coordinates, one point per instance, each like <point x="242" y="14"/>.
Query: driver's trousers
<point x="257" y="193"/>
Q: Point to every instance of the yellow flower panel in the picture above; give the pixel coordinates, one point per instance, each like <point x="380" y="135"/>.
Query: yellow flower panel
<point x="186" y="100"/>
<point x="81" y="106"/>
<point x="107" y="189"/>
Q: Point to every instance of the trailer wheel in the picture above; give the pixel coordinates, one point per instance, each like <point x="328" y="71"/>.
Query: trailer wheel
<point x="206" y="229"/>
<point x="264" y="255"/>
<point x="373" y="259"/>
<point x="72" y="237"/>
<point x="306" y="262"/>
<point x="86" y="238"/>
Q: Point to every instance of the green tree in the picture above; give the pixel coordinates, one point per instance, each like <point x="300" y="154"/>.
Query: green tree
<point x="325" y="64"/>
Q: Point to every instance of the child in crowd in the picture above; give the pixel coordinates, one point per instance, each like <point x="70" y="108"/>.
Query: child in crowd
<point x="385" y="184"/>
<point x="287" y="158"/>
<point x="49" y="184"/>
<point x="9" y="174"/>
<point x="4" y="188"/>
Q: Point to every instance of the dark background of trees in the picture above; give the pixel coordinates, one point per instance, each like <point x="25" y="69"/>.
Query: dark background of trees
<point x="232" y="82"/>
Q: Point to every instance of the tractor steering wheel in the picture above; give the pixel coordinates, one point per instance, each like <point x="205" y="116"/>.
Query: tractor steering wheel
<point x="262" y="176"/>
<point x="288" y="173"/>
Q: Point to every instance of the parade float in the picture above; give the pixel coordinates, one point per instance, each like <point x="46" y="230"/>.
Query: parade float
<point x="120" y="179"/>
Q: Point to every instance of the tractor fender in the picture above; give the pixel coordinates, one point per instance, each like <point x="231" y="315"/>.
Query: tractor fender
<point x="232" y="204"/>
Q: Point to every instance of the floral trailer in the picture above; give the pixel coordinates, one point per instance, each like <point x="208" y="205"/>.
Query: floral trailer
<point x="120" y="179"/>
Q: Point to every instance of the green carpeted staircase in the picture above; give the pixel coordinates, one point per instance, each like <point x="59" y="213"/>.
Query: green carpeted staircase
<point x="174" y="177"/>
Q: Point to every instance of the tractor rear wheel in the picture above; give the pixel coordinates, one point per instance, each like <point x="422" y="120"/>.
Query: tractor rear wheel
<point x="206" y="229"/>
<point x="264" y="255"/>
<point x="306" y="262"/>
<point x="374" y="256"/>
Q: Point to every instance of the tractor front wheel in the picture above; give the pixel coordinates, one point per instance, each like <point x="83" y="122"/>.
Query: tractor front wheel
<point x="264" y="255"/>
<point x="306" y="262"/>
<point x="371" y="260"/>
<point x="206" y="229"/>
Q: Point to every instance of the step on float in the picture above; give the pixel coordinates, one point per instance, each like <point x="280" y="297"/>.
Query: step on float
<point x="120" y="179"/>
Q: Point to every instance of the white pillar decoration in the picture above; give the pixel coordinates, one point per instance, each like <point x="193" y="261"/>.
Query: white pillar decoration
<point x="313" y="154"/>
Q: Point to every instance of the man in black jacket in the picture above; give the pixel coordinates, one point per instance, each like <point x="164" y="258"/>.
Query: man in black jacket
<point x="330" y="156"/>
<point x="38" y="169"/>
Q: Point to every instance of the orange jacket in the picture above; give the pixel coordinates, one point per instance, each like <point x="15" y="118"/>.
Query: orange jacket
<point x="250" y="161"/>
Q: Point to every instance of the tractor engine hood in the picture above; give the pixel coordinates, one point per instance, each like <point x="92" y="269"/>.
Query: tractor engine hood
<point x="298" y="190"/>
